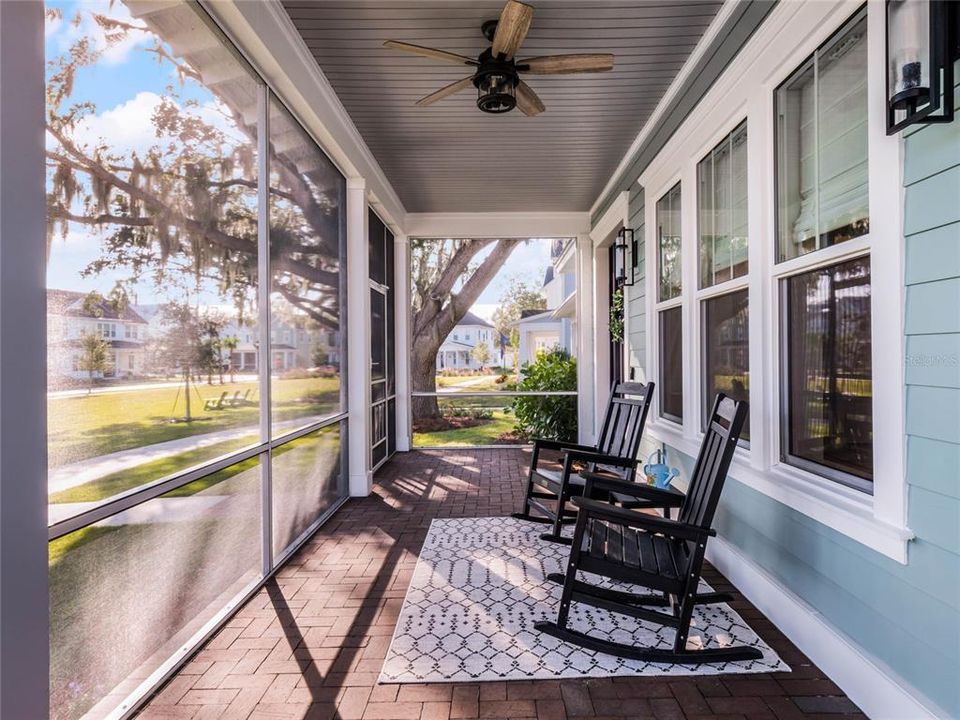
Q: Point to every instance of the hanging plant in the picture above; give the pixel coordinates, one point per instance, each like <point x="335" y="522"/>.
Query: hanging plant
<point x="616" y="316"/>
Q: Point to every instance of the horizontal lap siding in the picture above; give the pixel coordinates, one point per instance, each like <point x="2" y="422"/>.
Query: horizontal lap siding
<point x="908" y="616"/>
<point x="932" y="326"/>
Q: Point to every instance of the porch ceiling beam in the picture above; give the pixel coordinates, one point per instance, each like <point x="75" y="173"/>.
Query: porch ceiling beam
<point x="498" y="225"/>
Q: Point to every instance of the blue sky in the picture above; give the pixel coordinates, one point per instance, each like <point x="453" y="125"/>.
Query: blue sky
<point x="124" y="86"/>
<point x="528" y="262"/>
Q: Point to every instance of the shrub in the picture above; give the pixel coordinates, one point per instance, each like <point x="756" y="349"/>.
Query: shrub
<point x="474" y="413"/>
<point x="548" y="417"/>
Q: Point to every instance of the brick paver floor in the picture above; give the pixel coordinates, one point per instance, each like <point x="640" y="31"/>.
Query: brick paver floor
<point x="311" y="643"/>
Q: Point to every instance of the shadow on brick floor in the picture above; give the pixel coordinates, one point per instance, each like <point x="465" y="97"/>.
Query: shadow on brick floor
<point x="311" y="643"/>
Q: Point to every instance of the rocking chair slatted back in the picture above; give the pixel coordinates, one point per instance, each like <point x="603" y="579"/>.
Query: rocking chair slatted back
<point x="663" y="556"/>
<point x="716" y="452"/>
<point x="624" y="420"/>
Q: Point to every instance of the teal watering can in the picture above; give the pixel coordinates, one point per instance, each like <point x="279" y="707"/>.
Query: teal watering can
<point x="660" y="472"/>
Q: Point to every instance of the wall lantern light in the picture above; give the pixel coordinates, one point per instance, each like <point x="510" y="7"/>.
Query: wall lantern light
<point x="625" y="238"/>
<point x="923" y="42"/>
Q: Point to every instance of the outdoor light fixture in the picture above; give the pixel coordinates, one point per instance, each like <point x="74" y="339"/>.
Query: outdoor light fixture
<point x="620" y="257"/>
<point x="922" y="46"/>
<point x="496" y="82"/>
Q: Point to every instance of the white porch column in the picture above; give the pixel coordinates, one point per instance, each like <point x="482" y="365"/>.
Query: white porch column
<point x="585" y="340"/>
<point x="24" y="629"/>
<point x="358" y="338"/>
<point x="401" y="283"/>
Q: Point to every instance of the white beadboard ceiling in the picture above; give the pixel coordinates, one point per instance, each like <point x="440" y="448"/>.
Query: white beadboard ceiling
<point x="450" y="157"/>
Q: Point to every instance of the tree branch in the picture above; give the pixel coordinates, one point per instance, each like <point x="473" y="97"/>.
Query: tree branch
<point x="453" y="270"/>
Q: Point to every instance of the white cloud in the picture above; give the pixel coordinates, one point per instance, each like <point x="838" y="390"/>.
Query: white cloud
<point x="67" y="32"/>
<point x="127" y="127"/>
<point x="52" y="25"/>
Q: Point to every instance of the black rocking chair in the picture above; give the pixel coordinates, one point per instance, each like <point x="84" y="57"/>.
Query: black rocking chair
<point x="663" y="555"/>
<point x="615" y="455"/>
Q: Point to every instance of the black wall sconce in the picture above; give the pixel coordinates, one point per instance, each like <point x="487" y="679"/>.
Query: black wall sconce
<point x="625" y="238"/>
<point x="923" y="42"/>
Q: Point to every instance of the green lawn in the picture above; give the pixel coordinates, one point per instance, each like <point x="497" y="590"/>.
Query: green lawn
<point x="86" y="426"/>
<point x="487" y="433"/>
<point x="138" y="475"/>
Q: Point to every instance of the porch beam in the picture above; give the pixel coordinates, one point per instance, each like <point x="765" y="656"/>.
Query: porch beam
<point x="497" y="225"/>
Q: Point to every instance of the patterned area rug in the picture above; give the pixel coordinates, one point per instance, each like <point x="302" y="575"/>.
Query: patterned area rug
<point x="479" y="587"/>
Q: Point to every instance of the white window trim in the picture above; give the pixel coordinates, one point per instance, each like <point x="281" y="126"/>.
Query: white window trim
<point x="746" y="90"/>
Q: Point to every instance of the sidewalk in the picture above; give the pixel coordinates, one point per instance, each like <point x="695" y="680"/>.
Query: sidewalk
<point x="109" y="389"/>
<point x="84" y="471"/>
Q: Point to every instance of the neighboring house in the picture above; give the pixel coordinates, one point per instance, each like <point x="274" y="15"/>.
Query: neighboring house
<point x="456" y="352"/>
<point x="292" y="347"/>
<point x="70" y="315"/>
<point x="555" y="327"/>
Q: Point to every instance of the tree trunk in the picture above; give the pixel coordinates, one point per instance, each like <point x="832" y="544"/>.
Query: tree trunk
<point x="437" y="318"/>
<point x="423" y="374"/>
<point x="186" y="383"/>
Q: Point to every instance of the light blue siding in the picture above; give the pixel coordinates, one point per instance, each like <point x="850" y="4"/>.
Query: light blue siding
<point x="907" y="616"/>
<point x="934" y="254"/>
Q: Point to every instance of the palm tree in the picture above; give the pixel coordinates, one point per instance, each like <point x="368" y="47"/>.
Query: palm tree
<point x="230" y="343"/>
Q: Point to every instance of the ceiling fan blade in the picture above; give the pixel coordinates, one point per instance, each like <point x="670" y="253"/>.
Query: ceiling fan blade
<point x="527" y="100"/>
<point x="566" y="64"/>
<point x="430" y="52"/>
<point x="445" y="91"/>
<point x="512" y="28"/>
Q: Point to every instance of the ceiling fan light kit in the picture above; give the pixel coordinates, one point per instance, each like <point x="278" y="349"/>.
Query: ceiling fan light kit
<point x="497" y="73"/>
<point x="496" y="82"/>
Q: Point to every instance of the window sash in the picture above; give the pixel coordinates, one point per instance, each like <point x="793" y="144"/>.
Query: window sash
<point x="822" y="186"/>
<point x="670" y="337"/>
<point x="669" y="245"/>
<point x="722" y="210"/>
<point x="736" y="351"/>
<point x="846" y="412"/>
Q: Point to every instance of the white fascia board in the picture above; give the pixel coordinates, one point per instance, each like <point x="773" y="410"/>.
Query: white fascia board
<point x="267" y="37"/>
<point x="617" y="215"/>
<point x="497" y="225"/>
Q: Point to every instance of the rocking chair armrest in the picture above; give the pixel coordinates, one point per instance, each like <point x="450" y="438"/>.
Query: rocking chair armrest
<point x="547" y="444"/>
<point x="597" y="481"/>
<point x="600" y="458"/>
<point x="644" y="521"/>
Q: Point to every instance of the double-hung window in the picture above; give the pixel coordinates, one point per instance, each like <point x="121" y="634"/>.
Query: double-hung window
<point x="770" y="293"/>
<point x="826" y="422"/>
<point x="722" y="251"/>
<point x="669" y="312"/>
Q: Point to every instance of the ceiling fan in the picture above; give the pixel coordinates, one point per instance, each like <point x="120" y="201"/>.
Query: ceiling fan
<point x="497" y="74"/>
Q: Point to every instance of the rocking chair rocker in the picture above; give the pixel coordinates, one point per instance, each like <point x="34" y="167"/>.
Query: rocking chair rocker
<point x="663" y="555"/>
<point x="615" y="455"/>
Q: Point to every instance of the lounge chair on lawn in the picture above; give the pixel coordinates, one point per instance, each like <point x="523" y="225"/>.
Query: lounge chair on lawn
<point x="615" y="454"/>
<point x="665" y="556"/>
<point x="215" y="403"/>
<point x="235" y="400"/>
